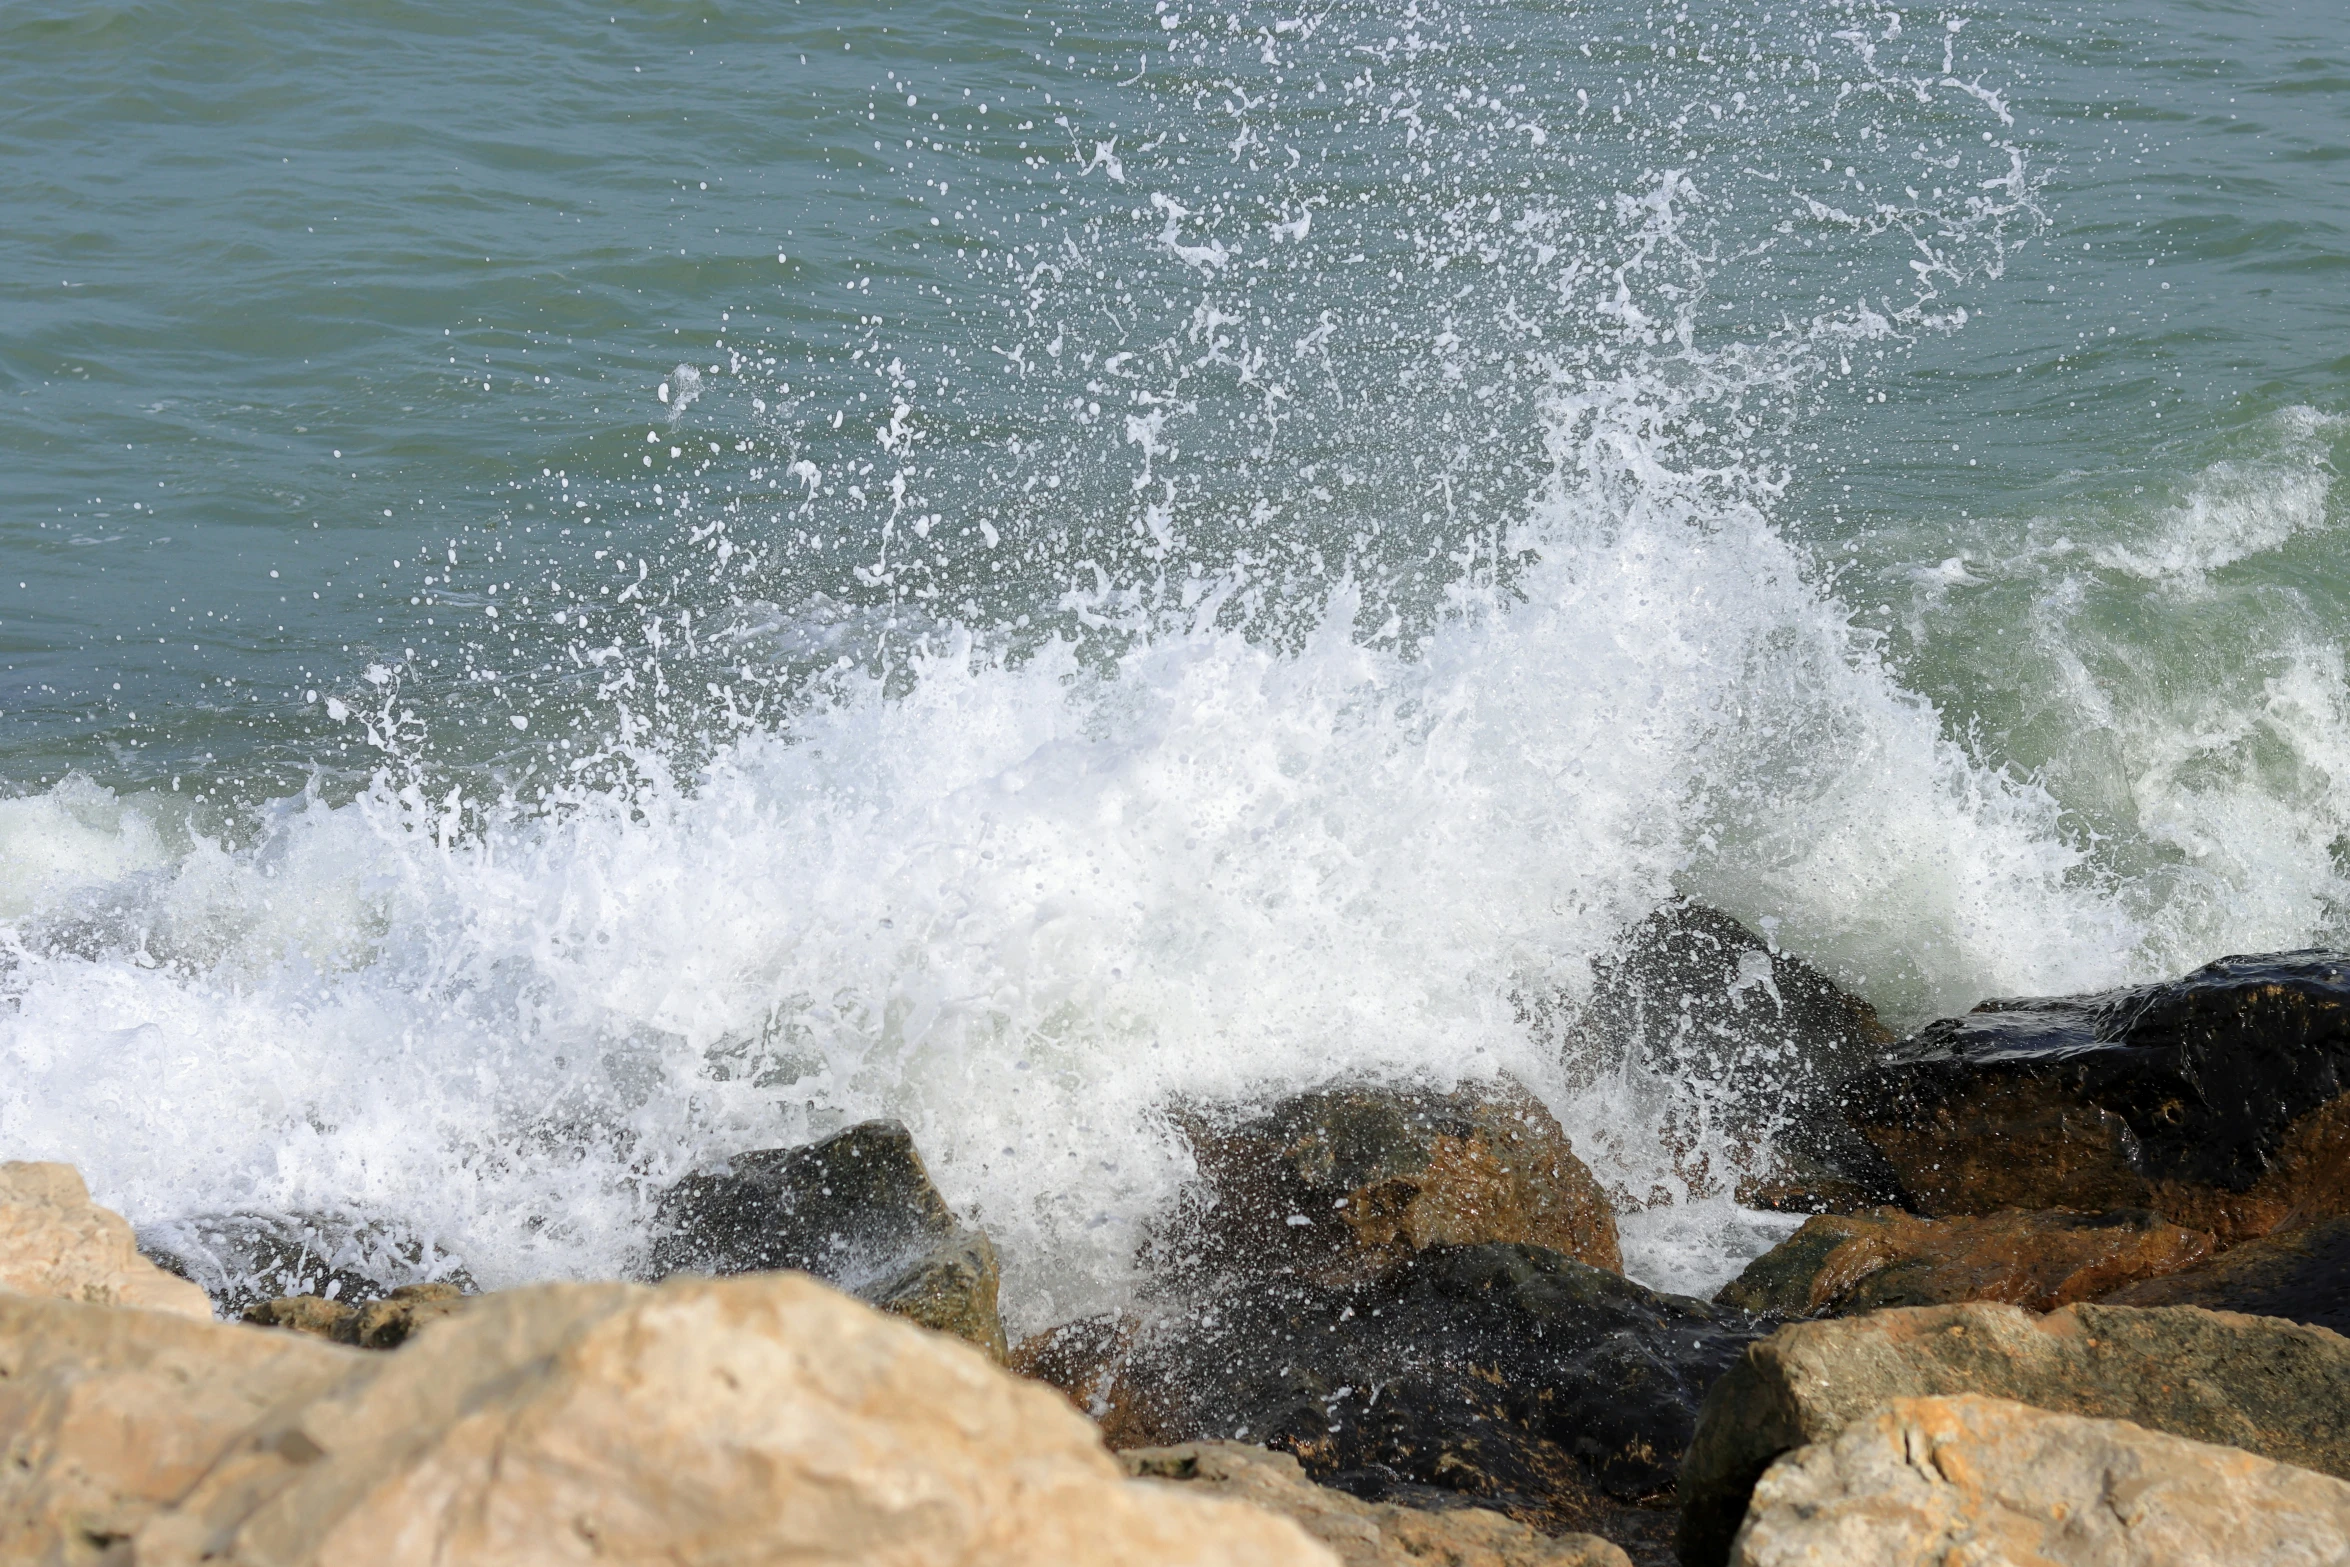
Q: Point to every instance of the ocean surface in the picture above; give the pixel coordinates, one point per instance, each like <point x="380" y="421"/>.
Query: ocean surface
<point x="584" y="588"/>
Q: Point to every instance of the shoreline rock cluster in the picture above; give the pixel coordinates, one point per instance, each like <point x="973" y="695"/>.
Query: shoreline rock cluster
<point x="2070" y="1287"/>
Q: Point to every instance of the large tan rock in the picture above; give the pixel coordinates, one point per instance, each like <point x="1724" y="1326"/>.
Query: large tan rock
<point x="54" y="1241"/>
<point x="1851" y="1263"/>
<point x="2275" y="1388"/>
<point x="1364" y="1534"/>
<point x="1929" y="1482"/>
<point x="763" y="1418"/>
<point x="107" y="1415"/>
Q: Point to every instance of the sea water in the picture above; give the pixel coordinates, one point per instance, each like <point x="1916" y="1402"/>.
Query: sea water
<point x="585" y="589"/>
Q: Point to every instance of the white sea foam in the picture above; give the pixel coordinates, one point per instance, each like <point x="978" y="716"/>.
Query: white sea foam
<point x="1028" y="905"/>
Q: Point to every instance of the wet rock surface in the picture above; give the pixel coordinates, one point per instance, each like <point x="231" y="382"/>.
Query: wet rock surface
<point x="1364" y="1534"/>
<point x="2301" y="1273"/>
<point x="378" y="1324"/>
<point x="1932" y="1481"/>
<point x="1852" y="1263"/>
<point x="856" y="1210"/>
<point x="2220" y="1100"/>
<point x="1757" y="1036"/>
<point x="2273" y="1388"/>
<point x="1508" y="1376"/>
<point x="241" y="1260"/>
<point x="1336" y="1186"/>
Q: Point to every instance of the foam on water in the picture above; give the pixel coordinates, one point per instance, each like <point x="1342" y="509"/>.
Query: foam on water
<point x="1031" y="895"/>
<point x="1028" y="904"/>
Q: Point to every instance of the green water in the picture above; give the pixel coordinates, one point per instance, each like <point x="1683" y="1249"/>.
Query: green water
<point x="545" y="544"/>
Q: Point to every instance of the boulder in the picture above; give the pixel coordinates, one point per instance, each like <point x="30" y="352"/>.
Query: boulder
<point x="1364" y="1534"/>
<point x="2221" y="1100"/>
<point x="1851" y="1263"/>
<point x="1507" y="1375"/>
<point x="1337" y="1185"/>
<point x="1927" y="1482"/>
<point x="1749" y="1037"/>
<point x="2270" y="1387"/>
<point x="380" y="1324"/>
<point x="55" y="1242"/>
<point x="243" y="1259"/>
<point x="697" y="1423"/>
<point x="2302" y="1273"/>
<point x="856" y="1210"/>
<point x="108" y="1415"/>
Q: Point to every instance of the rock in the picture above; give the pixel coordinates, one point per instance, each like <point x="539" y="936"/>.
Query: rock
<point x="242" y="1260"/>
<point x="856" y="1210"/>
<point x="2273" y="1388"/>
<point x="1364" y="1534"/>
<point x="704" y="1421"/>
<point x="380" y="1324"/>
<point x="1513" y="1376"/>
<point x="2302" y="1273"/>
<point x="311" y="1314"/>
<point x="1847" y="1264"/>
<point x="108" y="1415"/>
<point x="1927" y="1482"/>
<point x="55" y="1242"/>
<point x="1337" y="1185"/>
<point x="2221" y="1100"/>
<point x="1749" y="1037"/>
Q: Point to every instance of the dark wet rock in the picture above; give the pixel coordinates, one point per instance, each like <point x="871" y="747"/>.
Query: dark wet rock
<point x="2274" y="1388"/>
<point x="241" y="1260"/>
<point x="857" y="1210"/>
<point x="311" y="1314"/>
<point x="2301" y="1273"/>
<point x="1506" y="1375"/>
<point x="2221" y="1100"/>
<point x="1752" y="1038"/>
<point x="1337" y="1185"/>
<point x="1850" y="1263"/>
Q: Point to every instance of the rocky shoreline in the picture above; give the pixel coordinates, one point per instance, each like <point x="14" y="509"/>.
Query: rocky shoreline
<point x="2070" y="1288"/>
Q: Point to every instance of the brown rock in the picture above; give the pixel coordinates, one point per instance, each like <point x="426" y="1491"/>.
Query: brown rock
<point x="55" y="1242"/>
<point x="2220" y="1100"/>
<point x="107" y="1415"/>
<point x="1364" y="1534"/>
<point x="311" y="1314"/>
<point x="2301" y="1272"/>
<point x="1928" y="1482"/>
<point x="1093" y="1362"/>
<point x="706" y="1421"/>
<point x="1853" y="1263"/>
<point x="1336" y="1186"/>
<point x="2270" y="1387"/>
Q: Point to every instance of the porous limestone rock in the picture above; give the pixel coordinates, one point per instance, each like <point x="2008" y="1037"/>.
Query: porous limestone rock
<point x="1365" y="1534"/>
<point x="704" y="1421"/>
<point x="1336" y="1185"/>
<point x="2220" y="1100"/>
<point x="856" y="1210"/>
<point x="2270" y="1387"/>
<point x="1929" y="1482"/>
<point x="1853" y="1263"/>
<point x="55" y="1242"/>
<point x="2301" y="1272"/>
<point x="107" y="1415"/>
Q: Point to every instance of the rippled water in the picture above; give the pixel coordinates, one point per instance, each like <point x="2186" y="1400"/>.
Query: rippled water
<point x="587" y="588"/>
